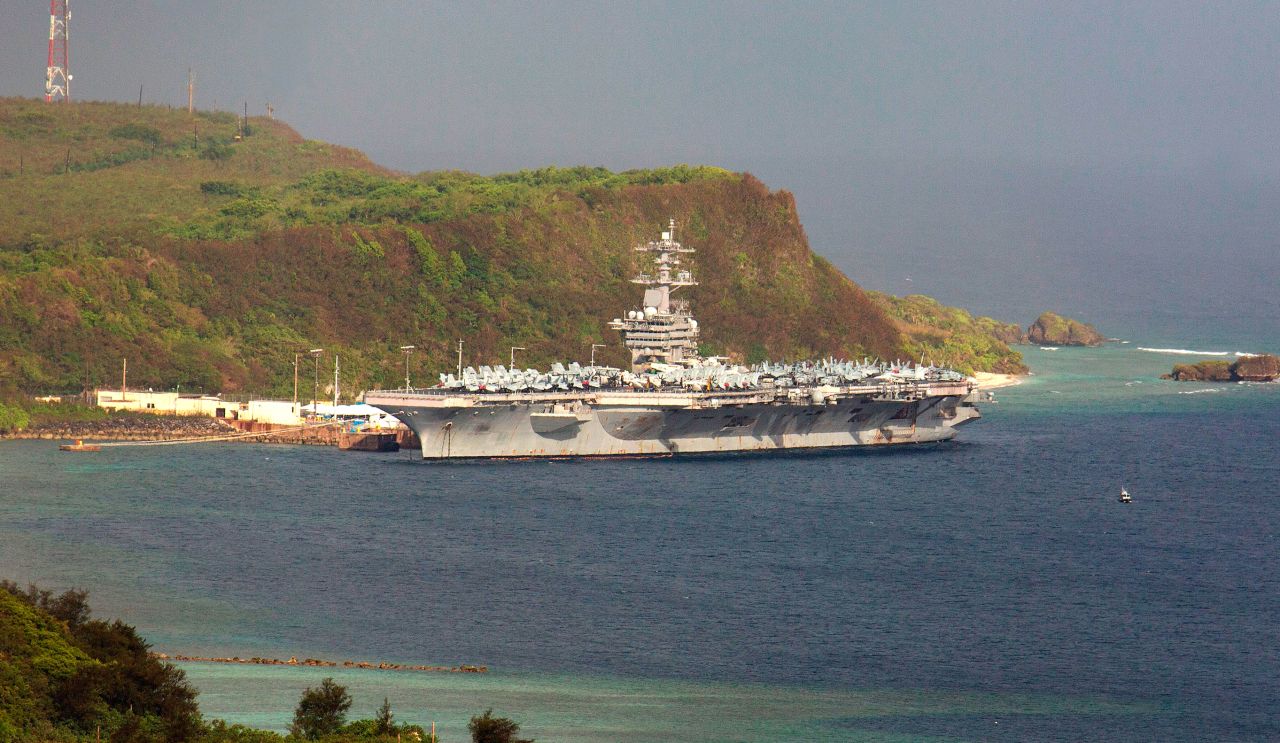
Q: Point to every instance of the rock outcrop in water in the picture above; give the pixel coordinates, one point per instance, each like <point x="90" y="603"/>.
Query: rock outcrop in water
<point x="1052" y="329"/>
<point x="1205" y="371"/>
<point x="1262" y="368"/>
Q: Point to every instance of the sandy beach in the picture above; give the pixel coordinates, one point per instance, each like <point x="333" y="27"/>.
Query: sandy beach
<point x="990" y="381"/>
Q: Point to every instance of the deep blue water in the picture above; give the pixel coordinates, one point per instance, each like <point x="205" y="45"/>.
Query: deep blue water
<point x="997" y="573"/>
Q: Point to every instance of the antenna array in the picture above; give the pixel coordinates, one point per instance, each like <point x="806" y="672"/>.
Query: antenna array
<point x="57" y="80"/>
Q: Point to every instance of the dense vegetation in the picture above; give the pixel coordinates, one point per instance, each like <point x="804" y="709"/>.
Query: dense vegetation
<point x="209" y="263"/>
<point x="951" y="336"/>
<point x="66" y="677"/>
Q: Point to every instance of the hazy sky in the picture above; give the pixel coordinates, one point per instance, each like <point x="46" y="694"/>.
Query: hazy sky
<point x="1006" y="156"/>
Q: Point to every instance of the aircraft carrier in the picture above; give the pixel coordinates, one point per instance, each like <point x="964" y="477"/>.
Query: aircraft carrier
<point x="673" y="401"/>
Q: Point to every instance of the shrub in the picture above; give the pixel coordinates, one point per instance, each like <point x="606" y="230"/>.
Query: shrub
<point x="248" y="208"/>
<point x="489" y="729"/>
<point x="222" y="188"/>
<point x="216" y="151"/>
<point x="137" y="132"/>
<point x="321" y="711"/>
<point x="12" y="418"/>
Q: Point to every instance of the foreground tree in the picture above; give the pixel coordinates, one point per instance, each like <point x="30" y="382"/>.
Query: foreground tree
<point x="384" y="723"/>
<point x="321" y="711"/>
<point x="489" y="729"/>
<point x="66" y="676"/>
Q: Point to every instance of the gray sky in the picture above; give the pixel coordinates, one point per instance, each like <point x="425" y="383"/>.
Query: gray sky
<point x="1006" y="156"/>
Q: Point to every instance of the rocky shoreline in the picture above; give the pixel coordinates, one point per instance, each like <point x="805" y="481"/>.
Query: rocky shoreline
<point x="317" y="663"/>
<point x="159" y="427"/>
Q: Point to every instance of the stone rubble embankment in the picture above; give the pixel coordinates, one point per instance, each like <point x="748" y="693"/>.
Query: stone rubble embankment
<point x="128" y="428"/>
<point x="317" y="663"/>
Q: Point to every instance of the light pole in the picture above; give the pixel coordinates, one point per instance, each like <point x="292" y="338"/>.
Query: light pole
<point x="594" y="346"/>
<point x="407" y="350"/>
<point x="513" y="355"/>
<point x="315" y="384"/>
<point x="296" y="356"/>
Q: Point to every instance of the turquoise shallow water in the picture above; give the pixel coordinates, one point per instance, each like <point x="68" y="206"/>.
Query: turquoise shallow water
<point x="986" y="589"/>
<point x="575" y="708"/>
<point x="1117" y="378"/>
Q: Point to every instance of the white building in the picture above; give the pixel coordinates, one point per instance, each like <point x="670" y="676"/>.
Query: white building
<point x="276" y="412"/>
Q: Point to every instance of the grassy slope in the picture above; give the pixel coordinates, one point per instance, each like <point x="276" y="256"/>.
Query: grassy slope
<point x="59" y="177"/>
<point x="209" y="267"/>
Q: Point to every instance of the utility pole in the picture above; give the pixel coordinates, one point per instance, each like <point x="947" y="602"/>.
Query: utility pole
<point x="57" y="76"/>
<point x="335" y="380"/>
<point x="124" y="379"/>
<point x="407" y="350"/>
<point x="191" y="92"/>
<point x="513" y="354"/>
<point x="315" y="383"/>
<point x="459" y="358"/>
<point x="296" y="354"/>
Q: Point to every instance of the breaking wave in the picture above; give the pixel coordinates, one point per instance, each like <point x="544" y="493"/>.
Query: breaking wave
<point x="1187" y="352"/>
<point x="1197" y="392"/>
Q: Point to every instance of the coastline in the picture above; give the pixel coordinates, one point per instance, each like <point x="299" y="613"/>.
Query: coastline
<point x="992" y="381"/>
<point x="138" y="427"/>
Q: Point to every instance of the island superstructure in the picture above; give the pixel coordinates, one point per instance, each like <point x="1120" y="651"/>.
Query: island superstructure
<point x="662" y="330"/>
<point x="673" y="400"/>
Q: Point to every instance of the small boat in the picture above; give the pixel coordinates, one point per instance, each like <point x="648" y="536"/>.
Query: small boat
<point x="1125" y="497"/>
<point x="80" y="446"/>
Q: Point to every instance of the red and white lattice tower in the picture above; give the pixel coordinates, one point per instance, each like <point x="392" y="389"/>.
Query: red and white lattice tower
<point x="57" y="80"/>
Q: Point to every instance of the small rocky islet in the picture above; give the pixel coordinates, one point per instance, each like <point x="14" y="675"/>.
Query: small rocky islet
<point x="1049" y="329"/>
<point x="1052" y="329"/>
<point x="1260" y="368"/>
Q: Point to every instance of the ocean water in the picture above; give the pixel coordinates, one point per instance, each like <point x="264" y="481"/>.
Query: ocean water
<point x="990" y="588"/>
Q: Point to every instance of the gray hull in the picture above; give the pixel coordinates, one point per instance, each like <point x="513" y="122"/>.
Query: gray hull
<point x="627" y="423"/>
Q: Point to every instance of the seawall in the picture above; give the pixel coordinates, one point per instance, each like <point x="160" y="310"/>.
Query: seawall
<point x="158" y="427"/>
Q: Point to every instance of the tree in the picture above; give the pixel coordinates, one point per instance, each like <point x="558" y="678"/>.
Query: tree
<point x="384" y="722"/>
<point x="321" y="711"/>
<point x="489" y="729"/>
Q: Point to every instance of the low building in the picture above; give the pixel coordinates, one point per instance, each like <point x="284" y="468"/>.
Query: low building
<point x="277" y="412"/>
<point x="274" y="412"/>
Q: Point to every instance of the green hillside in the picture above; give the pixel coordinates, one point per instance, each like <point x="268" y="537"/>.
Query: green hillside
<point x="209" y="265"/>
<point x="65" y="676"/>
